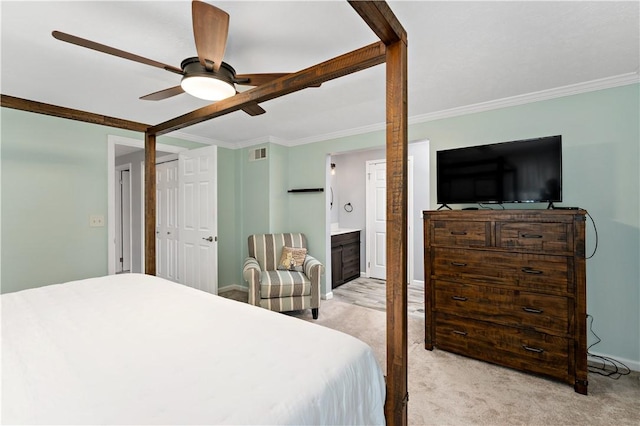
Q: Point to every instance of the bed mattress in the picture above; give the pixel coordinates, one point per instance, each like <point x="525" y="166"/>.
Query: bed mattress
<point x="137" y="349"/>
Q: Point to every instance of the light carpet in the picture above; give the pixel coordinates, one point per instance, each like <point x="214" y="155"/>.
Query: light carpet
<point x="448" y="389"/>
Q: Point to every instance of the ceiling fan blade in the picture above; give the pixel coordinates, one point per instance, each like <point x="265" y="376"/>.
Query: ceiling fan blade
<point x="163" y="94"/>
<point x="253" y="109"/>
<point x="259" y="79"/>
<point x="112" y="51"/>
<point x="210" y="29"/>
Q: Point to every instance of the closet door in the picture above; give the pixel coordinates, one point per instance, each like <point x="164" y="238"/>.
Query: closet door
<point x="198" y="219"/>
<point x="167" y="230"/>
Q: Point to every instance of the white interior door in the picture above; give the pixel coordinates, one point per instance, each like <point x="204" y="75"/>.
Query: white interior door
<point x="376" y="219"/>
<point x="167" y="231"/>
<point x="123" y="218"/>
<point x="198" y="222"/>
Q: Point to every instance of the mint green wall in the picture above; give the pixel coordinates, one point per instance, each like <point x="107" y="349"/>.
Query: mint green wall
<point x="254" y="193"/>
<point x="228" y="218"/>
<point x="278" y="181"/>
<point x="601" y="159"/>
<point x="54" y="176"/>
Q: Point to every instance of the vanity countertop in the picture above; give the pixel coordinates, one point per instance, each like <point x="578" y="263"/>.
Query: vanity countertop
<point x="340" y="231"/>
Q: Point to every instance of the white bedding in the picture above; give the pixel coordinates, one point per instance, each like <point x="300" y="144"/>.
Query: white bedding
<point x="136" y="349"/>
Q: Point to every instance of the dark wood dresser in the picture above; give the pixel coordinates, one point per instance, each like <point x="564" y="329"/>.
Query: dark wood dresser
<point x="509" y="287"/>
<point x="345" y="257"/>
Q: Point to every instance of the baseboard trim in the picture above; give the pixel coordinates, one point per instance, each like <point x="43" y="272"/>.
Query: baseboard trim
<point x="633" y="365"/>
<point x="327" y="296"/>
<point x="237" y="287"/>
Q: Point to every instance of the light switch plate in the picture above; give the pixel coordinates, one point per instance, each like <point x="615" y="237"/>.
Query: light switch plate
<point x="96" y="220"/>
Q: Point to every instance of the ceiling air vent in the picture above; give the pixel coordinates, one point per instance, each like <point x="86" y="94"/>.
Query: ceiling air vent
<point x="257" y="154"/>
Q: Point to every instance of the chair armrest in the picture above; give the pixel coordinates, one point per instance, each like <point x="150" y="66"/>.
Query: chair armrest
<point x="251" y="273"/>
<point x="312" y="268"/>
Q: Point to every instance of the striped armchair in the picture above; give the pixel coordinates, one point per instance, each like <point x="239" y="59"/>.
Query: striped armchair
<point x="275" y="287"/>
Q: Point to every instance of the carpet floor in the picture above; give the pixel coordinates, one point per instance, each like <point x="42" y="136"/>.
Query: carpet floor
<point x="449" y="389"/>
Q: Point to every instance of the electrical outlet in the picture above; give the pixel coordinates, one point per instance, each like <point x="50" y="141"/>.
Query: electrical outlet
<point x="96" y="220"/>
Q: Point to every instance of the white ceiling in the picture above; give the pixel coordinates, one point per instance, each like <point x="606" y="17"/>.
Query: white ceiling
<point x="460" y="54"/>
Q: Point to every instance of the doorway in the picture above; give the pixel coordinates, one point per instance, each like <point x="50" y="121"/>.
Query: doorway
<point x="122" y="150"/>
<point x="197" y="176"/>
<point x="348" y="184"/>
<point x="123" y="218"/>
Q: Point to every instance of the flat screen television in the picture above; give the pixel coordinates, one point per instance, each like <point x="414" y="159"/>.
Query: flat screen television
<point x="523" y="171"/>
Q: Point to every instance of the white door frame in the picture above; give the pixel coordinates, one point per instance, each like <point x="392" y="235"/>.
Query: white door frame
<point x="120" y="225"/>
<point x="369" y="218"/>
<point x="112" y="141"/>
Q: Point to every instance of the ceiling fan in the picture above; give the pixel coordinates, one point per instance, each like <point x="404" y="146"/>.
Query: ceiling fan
<point x="205" y="76"/>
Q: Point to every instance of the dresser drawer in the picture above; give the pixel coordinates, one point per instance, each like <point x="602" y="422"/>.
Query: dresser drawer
<point x="541" y="312"/>
<point x="530" y="271"/>
<point x="549" y="237"/>
<point x="461" y="233"/>
<point x="509" y="346"/>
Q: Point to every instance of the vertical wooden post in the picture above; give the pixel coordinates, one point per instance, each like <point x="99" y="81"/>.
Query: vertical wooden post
<point x="380" y="18"/>
<point x="397" y="159"/>
<point x="149" y="203"/>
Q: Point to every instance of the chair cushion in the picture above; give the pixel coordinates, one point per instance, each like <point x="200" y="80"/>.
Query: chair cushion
<point x="275" y="284"/>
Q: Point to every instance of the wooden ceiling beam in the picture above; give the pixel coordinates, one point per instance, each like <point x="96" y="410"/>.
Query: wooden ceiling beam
<point x="357" y="60"/>
<point x="71" y="114"/>
<point x="381" y="19"/>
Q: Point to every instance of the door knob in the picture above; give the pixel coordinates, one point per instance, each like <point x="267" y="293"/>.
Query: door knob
<point x="210" y="239"/>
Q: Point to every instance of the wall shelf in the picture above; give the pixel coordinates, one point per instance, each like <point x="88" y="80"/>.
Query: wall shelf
<point x="306" y="190"/>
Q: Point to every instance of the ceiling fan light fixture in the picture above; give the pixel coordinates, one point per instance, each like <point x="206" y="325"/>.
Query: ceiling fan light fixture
<point x="209" y="85"/>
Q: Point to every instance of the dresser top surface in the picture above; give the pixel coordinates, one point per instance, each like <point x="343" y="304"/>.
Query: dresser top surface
<point x="485" y="214"/>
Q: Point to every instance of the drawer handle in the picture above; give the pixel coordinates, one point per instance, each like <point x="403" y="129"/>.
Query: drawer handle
<point x="460" y="298"/>
<point x="532" y="310"/>
<point x="530" y="349"/>
<point x="458" y="232"/>
<point x="531" y="235"/>
<point x="458" y="264"/>
<point x="461" y="333"/>
<point x="528" y="270"/>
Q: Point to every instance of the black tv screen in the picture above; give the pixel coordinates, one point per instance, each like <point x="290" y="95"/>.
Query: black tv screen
<point x="523" y="171"/>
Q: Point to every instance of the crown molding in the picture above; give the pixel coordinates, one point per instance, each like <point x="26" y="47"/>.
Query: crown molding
<point x="261" y="141"/>
<point x="339" y="134"/>
<point x="543" y="95"/>
<point x="200" y="139"/>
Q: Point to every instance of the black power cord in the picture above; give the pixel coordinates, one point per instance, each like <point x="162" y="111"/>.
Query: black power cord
<point x="605" y="366"/>
<point x="596" y="232"/>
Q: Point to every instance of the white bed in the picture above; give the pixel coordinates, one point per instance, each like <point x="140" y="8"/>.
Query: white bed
<point x="137" y="349"/>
